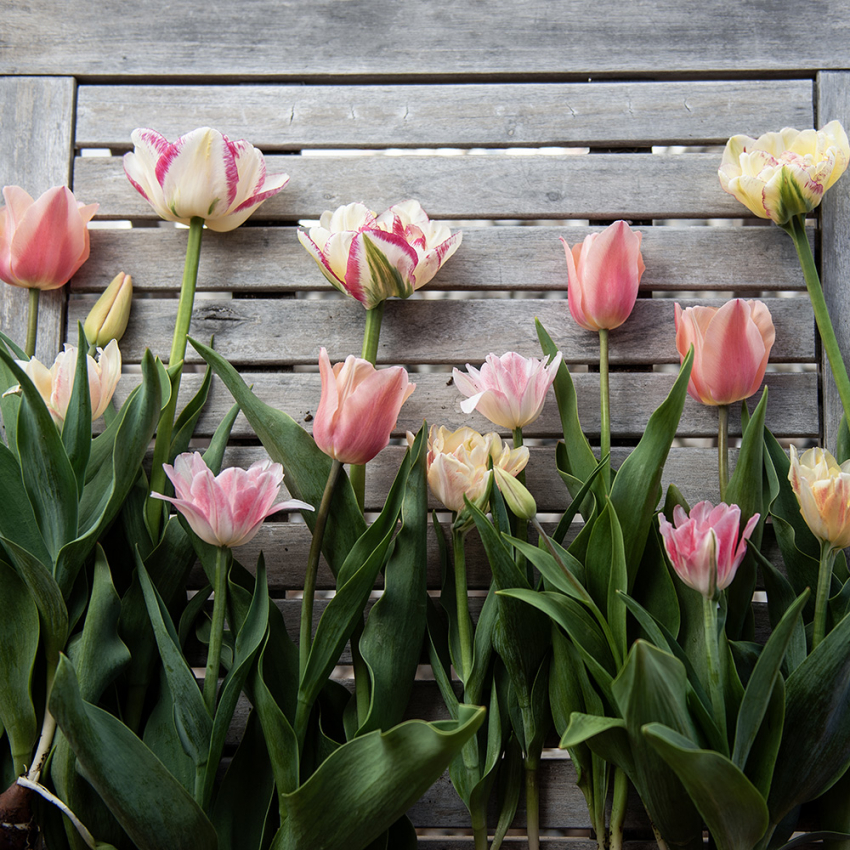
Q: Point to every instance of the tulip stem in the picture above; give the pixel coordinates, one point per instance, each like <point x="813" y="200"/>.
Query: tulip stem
<point x="723" y="448"/>
<point x="162" y="446"/>
<point x="32" y="322"/>
<point x="796" y="229"/>
<point x="604" y="407"/>
<point x="712" y="647"/>
<point x="313" y="568"/>
<point x="461" y="599"/>
<point x="618" y="809"/>
<point x="217" y="629"/>
<point x="827" y="559"/>
<point x="532" y="806"/>
<point x="48" y="726"/>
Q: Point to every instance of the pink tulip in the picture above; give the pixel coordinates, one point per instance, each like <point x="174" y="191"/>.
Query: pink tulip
<point x="203" y="174"/>
<point x="43" y="242"/>
<point x="509" y="390"/>
<point x="704" y="548"/>
<point x="604" y="271"/>
<point x="359" y="407"/>
<point x="731" y="348"/>
<point x="226" y="509"/>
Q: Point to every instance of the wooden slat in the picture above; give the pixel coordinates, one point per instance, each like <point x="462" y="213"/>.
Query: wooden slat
<point x="492" y="258"/>
<point x="362" y="38"/>
<point x="279" y="332"/>
<point x="596" y="114"/>
<point x="599" y="186"/>
<point x="834" y="104"/>
<point x="792" y="411"/>
<point x="36" y="138"/>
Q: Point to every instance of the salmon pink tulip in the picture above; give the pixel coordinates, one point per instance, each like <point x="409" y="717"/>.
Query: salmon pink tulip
<point x="42" y="242"/>
<point x="371" y="257"/>
<point x="359" y="407"/>
<point x="56" y="383"/>
<point x="508" y="390"/>
<point x="203" y="174"/>
<point x="780" y="175"/>
<point x="731" y="347"/>
<point x="604" y="274"/>
<point x="226" y="509"/>
<point x="704" y="548"/>
<point x="822" y="488"/>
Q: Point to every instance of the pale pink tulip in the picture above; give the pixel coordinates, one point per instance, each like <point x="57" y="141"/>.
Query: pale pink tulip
<point x="459" y="461"/>
<point x="226" y="509"/>
<point x="56" y="383"/>
<point x="371" y="257"/>
<point x="359" y="407"/>
<point x="604" y="274"/>
<point x="203" y="174"/>
<point x="704" y="548"/>
<point x="822" y="488"/>
<point x="731" y="348"/>
<point x="42" y="242"/>
<point x="508" y="390"/>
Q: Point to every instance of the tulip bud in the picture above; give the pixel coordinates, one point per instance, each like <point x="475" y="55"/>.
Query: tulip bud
<point x="516" y="495"/>
<point x="109" y="316"/>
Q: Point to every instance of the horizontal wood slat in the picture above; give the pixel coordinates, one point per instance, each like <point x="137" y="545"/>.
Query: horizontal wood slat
<point x="792" y="409"/>
<point x="267" y="40"/>
<point x="598" y="186"/>
<point x="279" y="117"/>
<point x="500" y="258"/>
<point x="278" y="332"/>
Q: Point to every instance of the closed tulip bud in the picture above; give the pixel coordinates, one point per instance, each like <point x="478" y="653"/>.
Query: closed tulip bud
<point x="108" y="319"/>
<point x="822" y="488"/>
<point x="516" y="495"/>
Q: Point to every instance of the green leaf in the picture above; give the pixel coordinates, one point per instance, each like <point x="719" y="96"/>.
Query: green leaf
<point x="76" y="430"/>
<point x="510" y="785"/>
<point x="156" y="812"/>
<point x="184" y="426"/>
<point x="567" y="579"/>
<point x="733" y="810"/>
<point x="607" y="736"/>
<point x="10" y="404"/>
<point x="306" y="466"/>
<point x="17" y="520"/>
<point x="762" y="761"/>
<point x="367" y="784"/>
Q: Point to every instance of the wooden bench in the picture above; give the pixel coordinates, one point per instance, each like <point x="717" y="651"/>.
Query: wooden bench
<point x="520" y="121"/>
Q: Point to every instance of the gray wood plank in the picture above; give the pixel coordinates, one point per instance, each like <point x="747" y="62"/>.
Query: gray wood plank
<point x="792" y="409"/>
<point x="501" y="258"/>
<point x="834" y="104"/>
<point x="599" y="186"/>
<point x="36" y="143"/>
<point x="270" y="40"/>
<point x="286" y="331"/>
<point x="281" y="117"/>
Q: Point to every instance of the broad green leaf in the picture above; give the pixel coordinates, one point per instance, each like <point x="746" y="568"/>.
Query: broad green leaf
<point x="509" y="788"/>
<point x="306" y="465"/>
<point x="762" y="760"/>
<point x="184" y="426"/>
<point x="164" y="740"/>
<point x="17" y="520"/>
<point x="655" y="590"/>
<point x="76" y="430"/>
<point x="566" y="579"/>
<point x="605" y="735"/>
<point x="733" y="810"/>
<point x="583" y="492"/>
<point x="10" y="404"/>
<point x="149" y="803"/>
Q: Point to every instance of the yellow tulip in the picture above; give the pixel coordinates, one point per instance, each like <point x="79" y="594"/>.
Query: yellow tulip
<point x="822" y="488"/>
<point x="108" y="319"/>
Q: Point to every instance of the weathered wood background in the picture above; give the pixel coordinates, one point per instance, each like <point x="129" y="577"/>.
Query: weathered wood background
<point x="519" y="122"/>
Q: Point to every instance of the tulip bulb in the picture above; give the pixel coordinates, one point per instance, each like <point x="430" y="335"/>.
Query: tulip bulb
<point x="108" y="319"/>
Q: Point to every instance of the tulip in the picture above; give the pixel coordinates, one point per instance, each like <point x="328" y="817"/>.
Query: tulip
<point x="56" y="384"/>
<point x="604" y="274"/>
<point x="42" y="242"/>
<point x="704" y="548"/>
<point x="780" y="175"/>
<point x="227" y="509"/>
<point x="822" y="488"/>
<point x="359" y="408"/>
<point x="201" y="175"/>
<point x="516" y="495"/>
<point x="731" y="348"/>
<point x="458" y="464"/>
<point x="108" y="319"/>
<point x="371" y="257"/>
<point x="509" y="390"/>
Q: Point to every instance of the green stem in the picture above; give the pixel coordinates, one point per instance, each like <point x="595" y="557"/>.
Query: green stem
<point x="48" y="726"/>
<point x="479" y="827"/>
<point x="827" y="559"/>
<point x="604" y="406"/>
<point x="723" y="448"/>
<point x="618" y="809"/>
<point x="313" y="568"/>
<point x="217" y="629"/>
<point x="718" y="705"/>
<point x="32" y="322"/>
<point x="162" y="446"/>
<point x="796" y="229"/>
<point x="461" y="599"/>
<point x="371" y="335"/>
<point x="532" y="806"/>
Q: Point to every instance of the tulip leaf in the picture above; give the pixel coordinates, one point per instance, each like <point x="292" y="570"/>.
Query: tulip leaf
<point x="184" y="426"/>
<point x="76" y="430"/>
<point x="637" y="488"/>
<point x="607" y="736"/>
<point x="733" y="809"/>
<point x="156" y="812"/>
<point x="17" y="520"/>
<point x="565" y="579"/>
<point x="306" y="465"/>
<point x="10" y="404"/>
<point x="367" y="784"/>
<point x="19" y="632"/>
